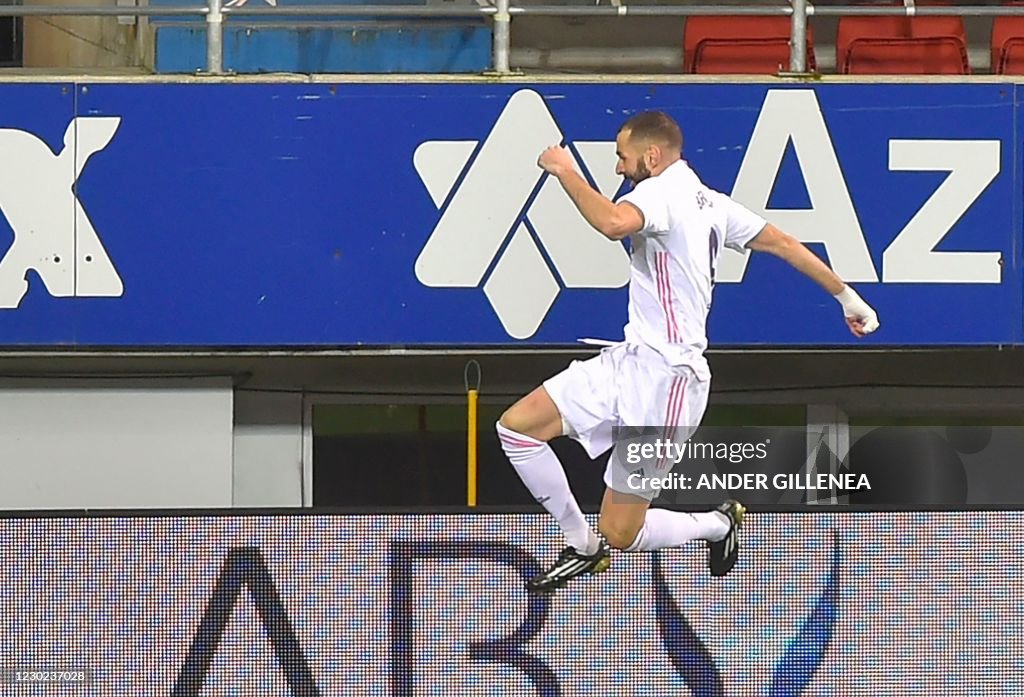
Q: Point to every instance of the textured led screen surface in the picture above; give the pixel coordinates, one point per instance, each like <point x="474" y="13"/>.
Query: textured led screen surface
<point x="819" y="604"/>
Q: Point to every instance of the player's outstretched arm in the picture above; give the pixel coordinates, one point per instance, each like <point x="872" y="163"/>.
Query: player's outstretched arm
<point x="614" y="221"/>
<point x="860" y="317"/>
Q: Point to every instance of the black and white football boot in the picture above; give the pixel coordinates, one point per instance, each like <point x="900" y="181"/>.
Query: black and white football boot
<point x="722" y="555"/>
<point x="569" y="565"/>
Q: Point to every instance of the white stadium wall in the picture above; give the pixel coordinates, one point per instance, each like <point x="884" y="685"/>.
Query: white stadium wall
<point x="147" y="443"/>
<point x="95" y="443"/>
<point x="268" y="461"/>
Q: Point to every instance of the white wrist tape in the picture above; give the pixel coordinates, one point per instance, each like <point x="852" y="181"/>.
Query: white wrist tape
<point x="854" y="306"/>
<point x="849" y="299"/>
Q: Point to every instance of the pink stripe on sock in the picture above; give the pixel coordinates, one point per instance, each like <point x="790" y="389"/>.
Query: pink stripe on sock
<point x="520" y="443"/>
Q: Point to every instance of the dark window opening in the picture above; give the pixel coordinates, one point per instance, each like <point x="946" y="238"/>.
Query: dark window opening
<point x="10" y="42"/>
<point x="375" y="455"/>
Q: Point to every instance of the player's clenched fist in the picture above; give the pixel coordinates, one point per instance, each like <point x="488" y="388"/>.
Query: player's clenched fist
<point x="555" y="160"/>
<point x="860" y="317"/>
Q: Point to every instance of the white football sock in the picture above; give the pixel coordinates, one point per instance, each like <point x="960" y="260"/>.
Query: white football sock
<point x="542" y="473"/>
<point x="663" y="528"/>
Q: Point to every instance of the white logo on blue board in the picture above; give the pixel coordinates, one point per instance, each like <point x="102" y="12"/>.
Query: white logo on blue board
<point x="499" y="219"/>
<point x="52" y="232"/>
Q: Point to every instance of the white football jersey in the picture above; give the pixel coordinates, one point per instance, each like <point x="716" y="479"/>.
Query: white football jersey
<point x="674" y="256"/>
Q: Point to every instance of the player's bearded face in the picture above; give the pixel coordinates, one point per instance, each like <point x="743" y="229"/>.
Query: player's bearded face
<point x="631" y="163"/>
<point x="633" y="169"/>
<point x="639" y="173"/>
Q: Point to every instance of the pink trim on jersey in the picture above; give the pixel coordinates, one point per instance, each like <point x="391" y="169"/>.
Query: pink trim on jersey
<point x="673" y="410"/>
<point x="669" y="409"/>
<point x="675" y="407"/>
<point x="664" y="280"/>
<point x="659" y="278"/>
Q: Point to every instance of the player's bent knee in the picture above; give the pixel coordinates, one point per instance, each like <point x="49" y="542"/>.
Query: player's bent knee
<point x="514" y="420"/>
<point x="618" y="536"/>
<point x="508" y="419"/>
<point x="531" y="417"/>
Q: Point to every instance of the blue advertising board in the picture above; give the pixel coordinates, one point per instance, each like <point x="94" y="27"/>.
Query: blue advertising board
<point x="287" y="214"/>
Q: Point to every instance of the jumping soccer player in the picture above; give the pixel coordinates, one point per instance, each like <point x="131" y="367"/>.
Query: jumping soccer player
<point x="658" y="375"/>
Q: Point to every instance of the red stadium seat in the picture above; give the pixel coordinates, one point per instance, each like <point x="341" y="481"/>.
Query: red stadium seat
<point x="902" y="46"/>
<point x="1008" y="44"/>
<point x="925" y="56"/>
<point x="1011" y="58"/>
<point x="739" y="45"/>
<point x="860" y="28"/>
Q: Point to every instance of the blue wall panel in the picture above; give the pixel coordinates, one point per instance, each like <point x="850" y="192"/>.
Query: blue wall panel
<point x="294" y="214"/>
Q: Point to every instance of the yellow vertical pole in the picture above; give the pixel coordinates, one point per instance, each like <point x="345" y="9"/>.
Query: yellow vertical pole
<point x="472" y="394"/>
<point x="471" y="449"/>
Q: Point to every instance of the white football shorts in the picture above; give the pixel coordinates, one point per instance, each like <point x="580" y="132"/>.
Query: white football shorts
<point x="630" y="400"/>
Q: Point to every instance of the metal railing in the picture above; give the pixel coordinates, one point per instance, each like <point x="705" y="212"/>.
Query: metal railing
<point x="501" y="14"/>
